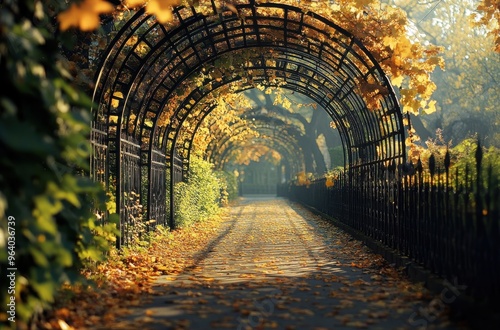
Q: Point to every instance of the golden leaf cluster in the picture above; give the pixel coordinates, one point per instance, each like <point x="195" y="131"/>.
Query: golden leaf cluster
<point x="303" y="179"/>
<point x="84" y="15"/>
<point x="489" y="17"/>
<point x="161" y="9"/>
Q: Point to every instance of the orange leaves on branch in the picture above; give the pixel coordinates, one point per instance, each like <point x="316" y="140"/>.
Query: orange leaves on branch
<point x="431" y="107"/>
<point x="397" y="81"/>
<point x="363" y="3"/>
<point x="254" y="152"/>
<point x="489" y="17"/>
<point x="411" y="69"/>
<point x="134" y="3"/>
<point x="84" y="15"/>
<point x="390" y="42"/>
<point x="410" y="65"/>
<point x="372" y="92"/>
<point x="409" y="100"/>
<point x="303" y="179"/>
<point x="383" y="30"/>
<point x="403" y="48"/>
<point x="162" y="9"/>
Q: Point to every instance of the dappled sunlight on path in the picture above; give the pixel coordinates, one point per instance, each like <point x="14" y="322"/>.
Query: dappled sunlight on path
<point x="274" y="265"/>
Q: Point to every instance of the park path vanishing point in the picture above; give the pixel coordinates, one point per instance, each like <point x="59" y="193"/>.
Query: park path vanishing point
<point x="275" y="265"/>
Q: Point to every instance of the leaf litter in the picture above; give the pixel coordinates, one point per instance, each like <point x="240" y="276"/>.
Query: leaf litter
<point x="270" y="264"/>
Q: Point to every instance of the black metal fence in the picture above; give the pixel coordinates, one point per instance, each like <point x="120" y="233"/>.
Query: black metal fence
<point x="99" y="145"/>
<point x="138" y="180"/>
<point x="447" y="220"/>
<point x="129" y="190"/>
<point x="157" y="202"/>
<point x="99" y="152"/>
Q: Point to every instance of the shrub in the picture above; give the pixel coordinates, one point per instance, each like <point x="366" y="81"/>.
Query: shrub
<point x="197" y="199"/>
<point x="229" y="186"/>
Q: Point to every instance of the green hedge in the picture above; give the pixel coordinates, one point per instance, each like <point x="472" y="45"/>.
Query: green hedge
<point x="199" y="198"/>
<point x="229" y="186"/>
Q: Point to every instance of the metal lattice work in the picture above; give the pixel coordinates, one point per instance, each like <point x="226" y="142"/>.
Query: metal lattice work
<point x="285" y="139"/>
<point x="98" y="170"/>
<point x="155" y="78"/>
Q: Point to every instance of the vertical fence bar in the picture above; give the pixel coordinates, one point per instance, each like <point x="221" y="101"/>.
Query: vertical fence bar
<point x="157" y="205"/>
<point x="447" y="220"/>
<point x="131" y="211"/>
<point x="98" y="157"/>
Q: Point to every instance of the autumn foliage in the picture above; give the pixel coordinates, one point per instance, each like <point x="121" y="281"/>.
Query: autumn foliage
<point x="44" y="127"/>
<point x="488" y="16"/>
<point x="125" y="280"/>
<point x="381" y="28"/>
<point x="84" y="15"/>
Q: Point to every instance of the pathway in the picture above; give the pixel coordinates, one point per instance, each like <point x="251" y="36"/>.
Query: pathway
<point x="277" y="266"/>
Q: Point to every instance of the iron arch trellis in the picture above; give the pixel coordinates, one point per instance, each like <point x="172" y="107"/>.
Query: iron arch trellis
<point x="281" y="139"/>
<point x="277" y="128"/>
<point x="299" y="139"/>
<point x="145" y="87"/>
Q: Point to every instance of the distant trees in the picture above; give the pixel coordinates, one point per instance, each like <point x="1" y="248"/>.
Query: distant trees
<point x="468" y="89"/>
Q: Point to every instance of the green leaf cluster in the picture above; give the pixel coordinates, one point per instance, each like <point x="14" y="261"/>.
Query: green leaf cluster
<point x="228" y="183"/>
<point x="44" y="157"/>
<point x="464" y="157"/>
<point x="198" y="198"/>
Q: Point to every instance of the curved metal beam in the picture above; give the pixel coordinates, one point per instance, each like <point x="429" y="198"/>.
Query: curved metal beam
<point x="147" y="85"/>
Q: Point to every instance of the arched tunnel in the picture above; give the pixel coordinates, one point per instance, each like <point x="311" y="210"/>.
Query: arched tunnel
<point x="158" y="83"/>
<point x="273" y="134"/>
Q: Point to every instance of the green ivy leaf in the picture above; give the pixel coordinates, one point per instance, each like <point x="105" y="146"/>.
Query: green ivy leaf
<point x="23" y="137"/>
<point x="42" y="284"/>
<point x="38" y="256"/>
<point x="65" y="258"/>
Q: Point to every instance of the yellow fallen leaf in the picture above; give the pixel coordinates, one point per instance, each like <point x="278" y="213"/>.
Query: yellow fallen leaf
<point x="64" y="325"/>
<point x="357" y="324"/>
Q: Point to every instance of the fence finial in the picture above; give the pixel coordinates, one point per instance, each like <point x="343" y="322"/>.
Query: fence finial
<point x="479" y="154"/>
<point x="420" y="167"/>
<point x="432" y="164"/>
<point x="447" y="159"/>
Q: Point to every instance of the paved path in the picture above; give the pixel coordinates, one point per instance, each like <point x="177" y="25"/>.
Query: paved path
<point x="277" y="266"/>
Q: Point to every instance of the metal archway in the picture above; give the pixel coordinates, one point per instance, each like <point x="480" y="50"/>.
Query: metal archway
<point x="147" y="86"/>
<point x="278" y="137"/>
